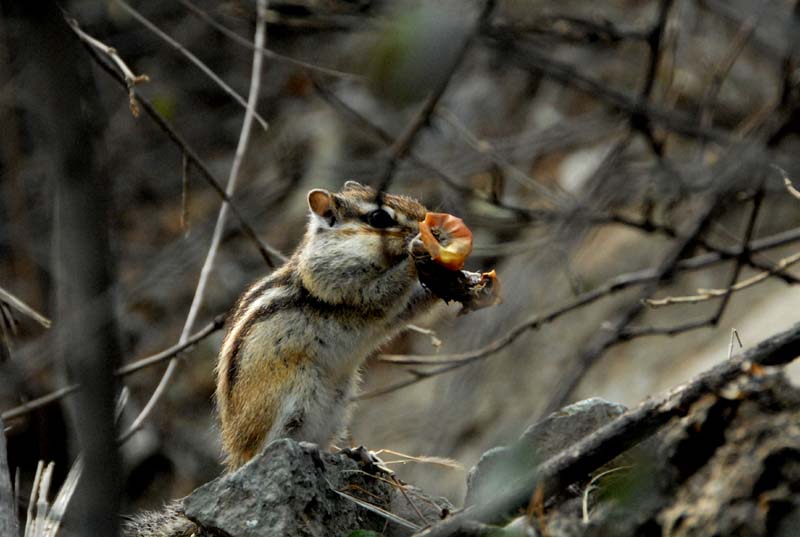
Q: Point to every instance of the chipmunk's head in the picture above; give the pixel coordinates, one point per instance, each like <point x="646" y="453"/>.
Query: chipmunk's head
<point x="381" y="225"/>
<point x="355" y="236"/>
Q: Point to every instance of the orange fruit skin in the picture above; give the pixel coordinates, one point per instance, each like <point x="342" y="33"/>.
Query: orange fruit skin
<point x="455" y="234"/>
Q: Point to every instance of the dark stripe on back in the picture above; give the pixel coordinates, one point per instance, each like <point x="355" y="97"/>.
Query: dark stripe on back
<point x="252" y="294"/>
<point x="301" y="299"/>
<point x="259" y="315"/>
<point x="277" y="279"/>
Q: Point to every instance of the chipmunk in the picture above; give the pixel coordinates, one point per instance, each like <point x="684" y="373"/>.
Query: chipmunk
<point x="290" y="362"/>
<point x="296" y="340"/>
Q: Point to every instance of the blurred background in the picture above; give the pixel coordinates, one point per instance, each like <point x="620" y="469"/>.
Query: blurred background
<point x="642" y="143"/>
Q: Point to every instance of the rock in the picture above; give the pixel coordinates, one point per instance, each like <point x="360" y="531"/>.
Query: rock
<point x="539" y="442"/>
<point x="749" y="482"/>
<point x="730" y="467"/>
<point x="289" y="491"/>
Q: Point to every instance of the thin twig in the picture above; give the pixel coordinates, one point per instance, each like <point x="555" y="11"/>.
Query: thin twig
<point x="239" y="40"/>
<point x="734" y="337"/>
<point x="421" y="459"/>
<point x="634" y="332"/>
<point x="30" y="520"/>
<point x="23" y="308"/>
<point x="575" y="30"/>
<point x="40" y="402"/>
<point x="654" y="41"/>
<point x="375" y="509"/>
<point x="742" y="258"/>
<point x="485" y="147"/>
<point x="435" y="341"/>
<point x="214" y="326"/>
<point x="216" y="240"/>
<point x="185" y="194"/>
<point x="787" y="183"/>
<point x="149" y="361"/>
<point x="192" y="58"/>
<point x="708" y="294"/>
<point x="530" y="58"/>
<point x="717" y="77"/>
<point x="402" y="489"/>
<point x="591" y="487"/>
<point x="401" y="147"/>
<point x="648" y="226"/>
<point x="131" y="79"/>
<point x="271" y="255"/>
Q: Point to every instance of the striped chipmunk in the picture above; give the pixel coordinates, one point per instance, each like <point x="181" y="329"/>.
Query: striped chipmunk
<point x="296" y="340"/>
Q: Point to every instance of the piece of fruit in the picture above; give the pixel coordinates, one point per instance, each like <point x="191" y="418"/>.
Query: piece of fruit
<point x="447" y="239"/>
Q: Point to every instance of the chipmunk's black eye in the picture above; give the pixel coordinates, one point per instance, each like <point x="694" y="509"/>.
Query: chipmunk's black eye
<point x="381" y="219"/>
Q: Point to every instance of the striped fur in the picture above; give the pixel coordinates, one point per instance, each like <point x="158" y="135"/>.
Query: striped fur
<point x="290" y="360"/>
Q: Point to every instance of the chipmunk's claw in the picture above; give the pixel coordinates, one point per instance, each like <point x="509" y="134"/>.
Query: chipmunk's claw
<point x="371" y="462"/>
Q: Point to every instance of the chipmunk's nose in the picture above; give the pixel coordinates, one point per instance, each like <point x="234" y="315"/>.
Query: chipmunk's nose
<point x="447" y="239"/>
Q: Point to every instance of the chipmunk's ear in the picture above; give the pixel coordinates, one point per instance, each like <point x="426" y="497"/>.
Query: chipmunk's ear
<point x="352" y="185"/>
<point x="321" y="203"/>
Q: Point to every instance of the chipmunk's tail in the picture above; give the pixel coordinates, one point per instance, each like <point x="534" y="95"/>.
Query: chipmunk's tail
<point x="168" y="522"/>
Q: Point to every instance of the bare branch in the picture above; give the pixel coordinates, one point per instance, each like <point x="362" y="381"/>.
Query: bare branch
<point x="403" y="144"/>
<point x="575" y="30"/>
<point x="23" y="308"/>
<point x="271" y="255"/>
<point x="375" y="509"/>
<point x="717" y="77"/>
<point x="239" y="40"/>
<point x="191" y="57"/>
<point x="734" y="337"/>
<point x="532" y="59"/>
<point x="39" y="402"/>
<point x="216" y="239"/>
<point x="787" y="182"/>
<point x="741" y="259"/>
<point x="214" y="326"/>
<point x="149" y="361"/>
<point x="486" y="148"/>
<point x="591" y="486"/>
<point x="648" y="226"/>
<point x="131" y="79"/>
<point x="708" y="294"/>
<point x="184" y="193"/>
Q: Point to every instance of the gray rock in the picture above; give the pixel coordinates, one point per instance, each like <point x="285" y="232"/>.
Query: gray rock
<point x="731" y="466"/>
<point x="289" y="490"/>
<point x="539" y="442"/>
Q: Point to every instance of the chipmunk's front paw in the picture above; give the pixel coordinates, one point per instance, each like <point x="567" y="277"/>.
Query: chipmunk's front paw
<point x="417" y="248"/>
